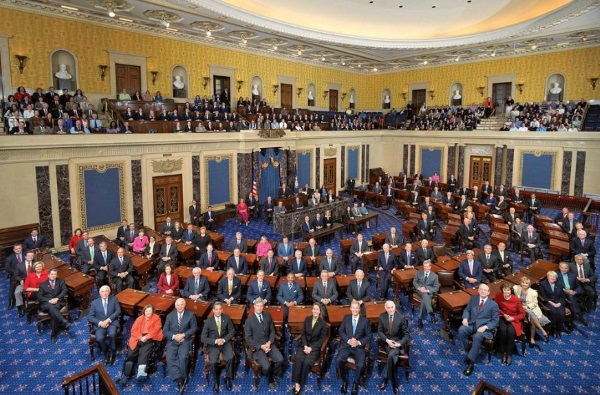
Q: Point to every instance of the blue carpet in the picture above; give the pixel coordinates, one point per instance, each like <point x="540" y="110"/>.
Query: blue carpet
<point x="30" y="364"/>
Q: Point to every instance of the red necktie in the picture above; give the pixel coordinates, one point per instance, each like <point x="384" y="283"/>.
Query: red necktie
<point x="35" y="241"/>
<point x="581" y="271"/>
<point x="19" y="258"/>
<point x="481" y="304"/>
<point x="325" y="288"/>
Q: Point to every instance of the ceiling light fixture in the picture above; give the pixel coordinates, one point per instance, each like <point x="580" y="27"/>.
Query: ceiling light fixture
<point x="274" y="47"/>
<point x="125" y="20"/>
<point x="343" y="63"/>
<point x="494" y="53"/>
<point x="172" y="30"/>
<point x="299" y="53"/>
<point x="208" y="33"/>
<point x="165" y="23"/>
<point x="66" y="7"/>
<point x="534" y="46"/>
<point x="457" y="58"/>
<point x="374" y="69"/>
<point x="425" y="62"/>
<point x="322" y="58"/>
<point x="244" y="41"/>
<point x="111" y="12"/>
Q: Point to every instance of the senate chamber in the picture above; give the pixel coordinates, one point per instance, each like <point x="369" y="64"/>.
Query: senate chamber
<point x="348" y="196"/>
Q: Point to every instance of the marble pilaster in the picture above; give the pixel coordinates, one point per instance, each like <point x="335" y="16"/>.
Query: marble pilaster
<point x="42" y="177"/>
<point x="405" y="158"/>
<point x="291" y="171"/>
<point x="510" y="160"/>
<point x="461" y="165"/>
<point x="565" y="183"/>
<point x="365" y="175"/>
<point x="451" y="161"/>
<point x="367" y="148"/>
<point x="196" y="178"/>
<point x="245" y="176"/>
<point x="136" y="186"/>
<point x="498" y="166"/>
<point x="64" y="203"/>
<point x="413" y="150"/>
<point x="579" y="173"/>
<point x="318" y="169"/>
<point x="343" y="166"/>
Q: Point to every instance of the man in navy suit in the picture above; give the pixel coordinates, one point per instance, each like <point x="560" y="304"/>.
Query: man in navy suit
<point x="209" y="219"/>
<point x="34" y="241"/>
<point x="11" y="263"/>
<point x="104" y="317"/>
<point x="407" y="257"/>
<point x="237" y="262"/>
<point x="130" y="237"/>
<point x="424" y="253"/>
<point x="480" y="318"/>
<point x="289" y="294"/>
<point x="530" y="239"/>
<point x="259" y="288"/>
<point x="357" y="250"/>
<point x="88" y="255"/>
<point x="355" y="332"/>
<point x="217" y="333"/>
<point x="167" y="227"/>
<point x="51" y="296"/>
<point x="386" y="264"/>
<point x="359" y="289"/>
<point x="121" y="269"/>
<point x="196" y="287"/>
<point x="179" y="330"/>
<point x="330" y="263"/>
<point x="584" y="246"/>
<point x="230" y="288"/>
<point x="209" y="260"/>
<point x="168" y="254"/>
<point x="270" y="265"/>
<point x="285" y="251"/>
<point x="120" y="240"/>
<point x="102" y="263"/>
<point x="470" y="271"/>
<point x="393" y="332"/>
<point x="298" y="265"/>
<point x="572" y="289"/>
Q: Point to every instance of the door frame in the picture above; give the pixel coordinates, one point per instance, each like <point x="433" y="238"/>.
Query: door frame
<point x="335" y="170"/>
<point x="491" y="180"/>
<point x="134" y="60"/>
<point x="182" y="210"/>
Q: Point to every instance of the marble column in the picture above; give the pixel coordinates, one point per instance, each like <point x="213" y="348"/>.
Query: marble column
<point x="510" y="161"/>
<point x="498" y="166"/>
<point x="283" y="165"/>
<point x="413" y="150"/>
<point x="291" y="170"/>
<point x="196" y="178"/>
<point x="405" y="158"/>
<point x="367" y="149"/>
<point x="565" y="183"/>
<point x="136" y="181"/>
<point x="365" y="176"/>
<point x="343" y="166"/>
<point x="64" y="203"/>
<point x="451" y="161"/>
<point x="318" y="169"/>
<point x="579" y="173"/>
<point x="461" y="165"/>
<point x="42" y="177"/>
<point x="244" y="173"/>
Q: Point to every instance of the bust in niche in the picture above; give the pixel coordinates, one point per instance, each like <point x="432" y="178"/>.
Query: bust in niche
<point x="178" y="83"/>
<point x="556" y="89"/>
<point x="63" y="73"/>
<point x="457" y="95"/>
<point x="310" y="95"/>
<point x="387" y="99"/>
<point x="255" y="90"/>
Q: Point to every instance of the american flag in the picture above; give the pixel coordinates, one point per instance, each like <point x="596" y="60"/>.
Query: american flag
<point x="254" y="189"/>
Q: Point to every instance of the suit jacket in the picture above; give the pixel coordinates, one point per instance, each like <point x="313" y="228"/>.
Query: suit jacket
<point x="464" y="272"/>
<point x="364" y="293"/>
<point x="214" y="260"/>
<point x="285" y="250"/>
<point x="210" y="332"/>
<point x="116" y="267"/>
<point x="586" y="248"/>
<point x="432" y="284"/>
<point x="28" y="243"/>
<point x="190" y="287"/>
<point x="407" y="259"/>
<point x="242" y="245"/>
<point x="293" y="266"/>
<point x="20" y="271"/>
<point x="80" y="247"/>
<point x="531" y="300"/>
<point x="488" y="315"/>
<point x="284" y="193"/>
<point x="467" y="231"/>
<point x="254" y="292"/>
<point x="464" y="191"/>
<point x="334" y="267"/>
<point x="113" y="311"/>
<point x="256" y="334"/>
<point x="501" y="262"/>
<point x="86" y="255"/>
<point x="355" y="247"/>
<point x="121" y="231"/>
<point x="460" y="206"/>
<point x="279" y="210"/>
<point x="171" y="254"/>
<point x="187" y="236"/>
<point x="285" y="294"/>
<point x="11" y="265"/>
<point x="503" y="192"/>
<point x="177" y="234"/>
<point x="508" y="217"/>
<point x="486" y="188"/>
<point x="308" y="250"/>
<point x="425" y="227"/>
<point x="306" y="227"/>
<point x="313" y="336"/>
<point x="388" y="264"/>
<point x="297" y="206"/>
<point x="99" y="260"/>
<point x="128" y="238"/>
<point x="273" y="270"/>
<point x="571" y="279"/>
<point x="475" y="195"/>
<point x="398" y="332"/>
<point x="362" y="333"/>
<point x="209" y="216"/>
<point x="517" y="199"/>
<point x="491" y="263"/>
<point x="556" y="296"/>
<point x="243" y="265"/>
<point x="319" y="292"/>
<point x="194" y="213"/>
<point x="46" y="293"/>
<point x="422" y="256"/>
<point x="535" y="238"/>
<point x="188" y="326"/>
<point x="153" y="250"/>
<point x="587" y="272"/>
<point x="394" y="240"/>
<point x="223" y="289"/>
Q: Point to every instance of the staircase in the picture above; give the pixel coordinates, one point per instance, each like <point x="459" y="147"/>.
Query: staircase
<point x="492" y="123"/>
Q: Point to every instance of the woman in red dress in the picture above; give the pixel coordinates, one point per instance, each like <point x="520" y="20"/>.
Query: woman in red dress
<point x="242" y="209"/>
<point x="34" y="279"/>
<point x="511" y="321"/>
<point x="75" y="239"/>
<point x="168" y="283"/>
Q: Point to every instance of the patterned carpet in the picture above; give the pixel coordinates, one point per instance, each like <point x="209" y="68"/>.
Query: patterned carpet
<point x="30" y="364"/>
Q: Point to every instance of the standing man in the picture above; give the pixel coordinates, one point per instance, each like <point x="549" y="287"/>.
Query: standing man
<point x="357" y="251"/>
<point x="12" y="262"/>
<point x="104" y="317"/>
<point x="102" y="263"/>
<point x="386" y="264"/>
<point x="179" y="329"/>
<point x="426" y="285"/>
<point x="217" y="334"/>
<point x="51" y="296"/>
<point x="393" y="331"/>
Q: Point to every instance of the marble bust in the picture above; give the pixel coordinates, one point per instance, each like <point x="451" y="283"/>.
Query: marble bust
<point x="62" y="73"/>
<point x="457" y="95"/>
<point x="178" y="83"/>
<point x="310" y="95"/>
<point x="351" y="100"/>
<point x="255" y="90"/>
<point x="387" y="99"/>
<point x="556" y="89"/>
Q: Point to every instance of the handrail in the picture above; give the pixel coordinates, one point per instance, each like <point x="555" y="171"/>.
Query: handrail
<point x="110" y="111"/>
<point x="94" y="380"/>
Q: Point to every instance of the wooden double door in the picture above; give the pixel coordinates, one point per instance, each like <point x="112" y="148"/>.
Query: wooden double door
<point x="128" y="77"/>
<point x="329" y="174"/>
<point x="168" y="199"/>
<point x="481" y="169"/>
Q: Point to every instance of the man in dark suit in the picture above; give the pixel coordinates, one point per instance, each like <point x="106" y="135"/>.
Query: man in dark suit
<point x="104" y="317"/>
<point x="121" y="269"/>
<point x="240" y="243"/>
<point x="196" y="287"/>
<point x="463" y="191"/>
<point x="268" y="208"/>
<point x="359" y="289"/>
<point x="480" y="318"/>
<point x="587" y="281"/>
<point x="88" y="255"/>
<point x="237" y="262"/>
<point x="504" y="260"/>
<point x="486" y="188"/>
<point x="168" y="254"/>
<point x="393" y="332"/>
<point x="533" y="207"/>
<point x="448" y="200"/>
<point x="500" y="207"/>
<point x="195" y="213"/>
<point x="284" y="191"/>
<point x="270" y="265"/>
<point x="217" y="333"/>
<point x="298" y="266"/>
<point x="51" y="296"/>
<point x="470" y="271"/>
<point x="510" y="217"/>
<point x="584" y="246"/>
<point x="81" y="246"/>
<point x="13" y="260"/>
<point x="426" y="285"/>
<point x="297" y="204"/>
<point x="407" y="257"/>
<point x="386" y="264"/>
<point x="20" y="272"/>
<point x="102" y="262"/>
<point x="562" y="217"/>
<point x="357" y="251"/>
<point x="516" y="197"/>
<point x="572" y="289"/>
<point x="501" y="191"/>
<point x="424" y="227"/>
<point x="289" y="294"/>
<point x="424" y="205"/>
<point x="252" y="204"/>
<point x="330" y="263"/>
<point x="414" y="200"/>
<point x="209" y="219"/>
<point x="259" y="333"/>
<point x="468" y="234"/>
<point x="424" y="253"/>
<point x="179" y="330"/>
<point x="393" y="238"/>
<point x="325" y="292"/>
<point x="489" y="265"/>
<point x="475" y="194"/>
<point x="462" y="204"/>
<point x="230" y="288"/>
<point x="130" y="237"/>
<point x="209" y="260"/>
<point x="285" y="250"/>
<point x="311" y="252"/>
<point x="568" y="226"/>
<point x="355" y="332"/>
<point x="259" y="288"/>
<point x="34" y="241"/>
<point x="531" y="242"/>
<point x="120" y="240"/>
<point x="307" y="226"/>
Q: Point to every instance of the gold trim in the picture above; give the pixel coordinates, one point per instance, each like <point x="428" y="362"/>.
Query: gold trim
<point x="330" y="151"/>
<point x="167" y="165"/>
<point x="100" y="168"/>
<point x="206" y="190"/>
<point x="537" y="154"/>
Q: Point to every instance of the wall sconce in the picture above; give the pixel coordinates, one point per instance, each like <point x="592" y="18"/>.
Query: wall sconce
<point x="275" y="88"/>
<point x="239" y="84"/>
<point x="154" y="74"/>
<point x="299" y="91"/>
<point x="205" y="83"/>
<point x="21" y="59"/>
<point x="325" y="94"/>
<point x="431" y="94"/>
<point x="481" y="89"/>
<point x="520" y="87"/>
<point x="404" y="95"/>
<point x="593" y="81"/>
<point x="103" y="69"/>
<point x="343" y="95"/>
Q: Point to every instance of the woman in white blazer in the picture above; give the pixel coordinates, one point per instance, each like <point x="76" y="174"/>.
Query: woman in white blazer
<point x="529" y="300"/>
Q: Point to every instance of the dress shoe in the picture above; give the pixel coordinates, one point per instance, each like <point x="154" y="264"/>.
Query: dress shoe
<point x="382" y="385"/>
<point x="420" y="323"/>
<point x="344" y="389"/>
<point x="142" y="379"/>
<point x="11" y="305"/>
<point x="396" y="390"/>
<point x="467" y="360"/>
<point x="567" y="331"/>
<point x="228" y="384"/>
<point x="123" y="380"/>
<point x="508" y="360"/>
<point x="216" y="388"/>
<point x="546" y="338"/>
<point x="469" y="370"/>
<point x="21" y="311"/>
<point x="583" y="321"/>
<point x="354" y="389"/>
<point x="272" y="385"/>
<point x="106" y="358"/>
<point x="113" y="357"/>
<point x="53" y="339"/>
<point x="433" y="319"/>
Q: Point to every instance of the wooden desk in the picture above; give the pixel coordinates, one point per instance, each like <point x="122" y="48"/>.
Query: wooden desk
<point x="373" y="311"/>
<point x="363" y="219"/>
<point x="403" y="279"/>
<point x="343" y="280"/>
<point x="213" y="278"/>
<point x="494" y="289"/>
<point x="326" y="231"/>
<point x="558" y="235"/>
<point x="252" y="261"/>
<point x="129" y="299"/>
<point x="336" y="315"/>
<point x="64" y="271"/>
<point x="80" y="285"/>
<point x="450" y="265"/>
<point x="142" y="266"/>
<point x="558" y="249"/>
<point x="183" y="272"/>
<point x="539" y="269"/>
<point x="199" y="308"/>
<point x="162" y="303"/>
<point x="310" y="284"/>
<point x="451" y="302"/>
<point x="51" y="262"/>
<point x="186" y="252"/>
<point x="276" y="314"/>
<point x="515" y="278"/>
<point x="449" y="234"/>
<point x="296" y="317"/>
<point x="237" y="313"/>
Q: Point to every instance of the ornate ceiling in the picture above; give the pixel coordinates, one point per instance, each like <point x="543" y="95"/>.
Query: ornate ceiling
<point x="366" y="36"/>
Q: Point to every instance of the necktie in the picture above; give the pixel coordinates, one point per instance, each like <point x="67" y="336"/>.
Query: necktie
<point x="581" y="271"/>
<point x="325" y="288"/>
<point x="197" y="286"/>
<point x="481" y="304"/>
<point x="179" y="319"/>
<point x="530" y="238"/>
<point x="391" y="323"/>
<point x="131" y="235"/>
<point x="566" y="281"/>
<point x="210" y="259"/>
<point x="353" y="326"/>
<point x="329" y="263"/>
<point x="487" y="257"/>
<point x="229" y="286"/>
<point x="35" y="241"/>
<point x="28" y="267"/>
<point x="386" y="257"/>
<point x="19" y="258"/>
<point x="260" y="320"/>
<point x="105" y="305"/>
<point x="92" y="253"/>
<point x="219" y="325"/>
<point x="471" y="267"/>
<point x="582" y="242"/>
<point x="259" y="286"/>
<point x="121" y="259"/>
<point x="237" y="262"/>
<point x="52" y="284"/>
<point x="426" y="275"/>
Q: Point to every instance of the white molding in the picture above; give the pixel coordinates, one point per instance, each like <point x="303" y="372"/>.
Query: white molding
<point x="129" y="59"/>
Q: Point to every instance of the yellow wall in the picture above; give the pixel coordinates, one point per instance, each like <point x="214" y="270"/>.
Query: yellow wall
<point x="90" y="43"/>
